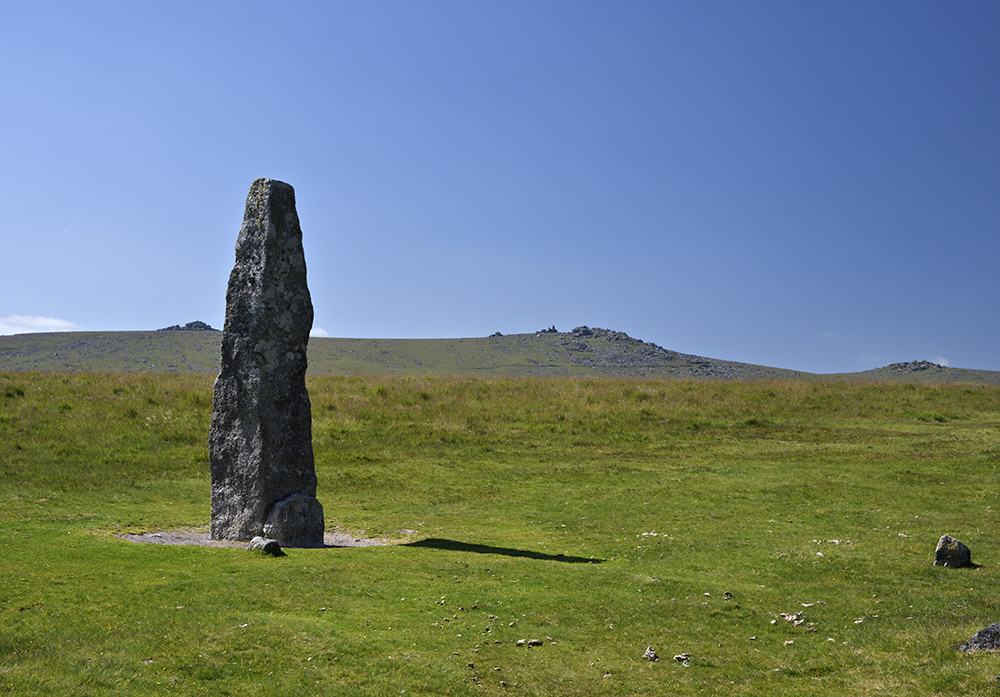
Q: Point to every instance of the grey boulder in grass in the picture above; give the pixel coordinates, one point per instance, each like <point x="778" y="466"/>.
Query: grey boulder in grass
<point x="984" y="640"/>
<point x="266" y="546"/>
<point x="260" y="442"/>
<point x="951" y="552"/>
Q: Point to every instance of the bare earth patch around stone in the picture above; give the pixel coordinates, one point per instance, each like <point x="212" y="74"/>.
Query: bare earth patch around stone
<point x="201" y="537"/>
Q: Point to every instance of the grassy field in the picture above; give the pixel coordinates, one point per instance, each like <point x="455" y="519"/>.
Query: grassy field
<point x="598" y="516"/>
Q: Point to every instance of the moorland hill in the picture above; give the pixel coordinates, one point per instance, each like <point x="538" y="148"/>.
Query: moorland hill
<point x="582" y="352"/>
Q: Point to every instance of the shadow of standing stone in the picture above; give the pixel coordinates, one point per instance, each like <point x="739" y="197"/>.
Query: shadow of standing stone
<point x="260" y="442"/>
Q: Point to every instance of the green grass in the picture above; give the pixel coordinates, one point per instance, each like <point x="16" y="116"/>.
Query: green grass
<point x="599" y="516"/>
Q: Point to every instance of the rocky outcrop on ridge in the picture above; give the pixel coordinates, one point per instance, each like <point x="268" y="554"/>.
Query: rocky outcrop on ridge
<point x="196" y="326"/>
<point x="912" y="366"/>
<point x="617" y="353"/>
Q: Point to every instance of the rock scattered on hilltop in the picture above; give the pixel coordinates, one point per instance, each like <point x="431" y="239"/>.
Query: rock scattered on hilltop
<point x="912" y="366"/>
<point x="616" y="353"/>
<point x="196" y="326"/>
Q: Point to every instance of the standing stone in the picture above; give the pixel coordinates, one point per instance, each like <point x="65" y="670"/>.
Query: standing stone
<point x="951" y="552"/>
<point x="260" y="443"/>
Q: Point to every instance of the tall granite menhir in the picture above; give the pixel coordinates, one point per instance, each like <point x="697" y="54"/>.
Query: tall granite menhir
<point x="260" y="443"/>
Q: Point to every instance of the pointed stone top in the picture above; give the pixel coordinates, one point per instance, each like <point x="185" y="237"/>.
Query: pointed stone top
<point x="267" y="182"/>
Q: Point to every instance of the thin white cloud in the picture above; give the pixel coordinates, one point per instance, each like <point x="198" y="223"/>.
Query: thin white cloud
<point x="27" y="324"/>
<point x="318" y="331"/>
<point x="941" y="360"/>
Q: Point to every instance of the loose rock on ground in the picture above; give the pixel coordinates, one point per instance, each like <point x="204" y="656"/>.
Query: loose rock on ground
<point x="984" y="640"/>
<point x="950" y="552"/>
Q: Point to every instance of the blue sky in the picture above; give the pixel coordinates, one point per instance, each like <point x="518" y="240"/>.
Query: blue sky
<point x="809" y="185"/>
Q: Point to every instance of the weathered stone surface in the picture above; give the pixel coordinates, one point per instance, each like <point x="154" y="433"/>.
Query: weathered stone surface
<point x="951" y="552"/>
<point x="294" y="519"/>
<point x="260" y="444"/>
<point x="266" y="545"/>
<point x="984" y="640"/>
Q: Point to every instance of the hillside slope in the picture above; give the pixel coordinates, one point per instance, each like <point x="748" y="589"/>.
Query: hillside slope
<point x="583" y="352"/>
